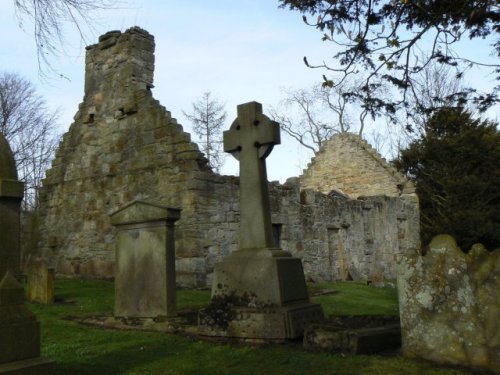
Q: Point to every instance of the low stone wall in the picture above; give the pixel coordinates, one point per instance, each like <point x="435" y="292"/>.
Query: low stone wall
<point x="450" y="305"/>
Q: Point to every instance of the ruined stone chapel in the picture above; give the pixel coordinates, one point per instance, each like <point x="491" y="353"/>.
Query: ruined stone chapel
<point x="349" y="216"/>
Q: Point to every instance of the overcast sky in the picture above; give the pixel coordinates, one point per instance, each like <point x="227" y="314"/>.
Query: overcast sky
<point x="240" y="50"/>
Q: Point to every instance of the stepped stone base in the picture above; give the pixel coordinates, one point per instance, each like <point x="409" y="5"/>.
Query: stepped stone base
<point x="279" y="323"/>
<point x="259" y="294"/>
<point x="353" y="341"/>
<point x="260" y="277"/>
<point x="19" y="333"/>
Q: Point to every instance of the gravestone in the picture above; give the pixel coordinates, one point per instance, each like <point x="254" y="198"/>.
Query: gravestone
<point x="145" y="260"/>
<point x="40" y="281"/>
<point x="19" y="333"/>
<point x="265" y="285"/>
<point x="11" y="194"/>
<point x="449" y="304"/>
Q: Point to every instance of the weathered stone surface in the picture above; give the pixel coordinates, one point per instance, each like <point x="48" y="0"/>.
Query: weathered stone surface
<point x="348" y="164"/>
<point x="124" y="146"/>
<point x="450" y="305"/>
<point x="20" y="332"/>
<point x="40" y="282"/>
<point x="145" y="261"/>
<point x="353" y="341"/>
<point x="265" y="323"/>
<point x="262" y="286"/>
<point x="11" y="194"/>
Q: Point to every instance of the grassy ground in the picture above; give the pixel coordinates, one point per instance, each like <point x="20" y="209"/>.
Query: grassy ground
<point x="87" y="350"/>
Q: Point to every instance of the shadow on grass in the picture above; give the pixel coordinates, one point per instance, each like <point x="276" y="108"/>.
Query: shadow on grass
<point x="117" y="361"/>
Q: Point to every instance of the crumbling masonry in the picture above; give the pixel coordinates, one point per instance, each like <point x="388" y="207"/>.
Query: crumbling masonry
<point x="125" y="146"/>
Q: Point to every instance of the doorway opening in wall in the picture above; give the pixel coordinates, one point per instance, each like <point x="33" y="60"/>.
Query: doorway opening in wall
<point x="276" y="233"/>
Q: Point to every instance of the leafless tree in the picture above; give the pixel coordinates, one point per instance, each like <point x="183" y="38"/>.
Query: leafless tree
<point x="312" y="116"/>
<point x="208" y="116"/>
<point x="31" y="130"/>
<point x="50" y="19"/>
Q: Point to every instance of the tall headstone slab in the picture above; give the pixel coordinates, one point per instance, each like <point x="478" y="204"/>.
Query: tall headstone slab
<point x="145" y="260"/>
<point x="19" y="333"/>
<point x="449" y="305"/>
<point x="266" y="285"/>
<point x="11" y="194"/>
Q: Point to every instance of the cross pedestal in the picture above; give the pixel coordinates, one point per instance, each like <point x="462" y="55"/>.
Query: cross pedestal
<point x="265" y="285"/>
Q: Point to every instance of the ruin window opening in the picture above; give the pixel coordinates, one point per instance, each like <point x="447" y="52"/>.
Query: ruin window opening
<point x="276" y="233"/>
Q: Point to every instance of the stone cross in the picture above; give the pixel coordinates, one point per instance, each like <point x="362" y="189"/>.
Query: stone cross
<point x="250" y="139"/>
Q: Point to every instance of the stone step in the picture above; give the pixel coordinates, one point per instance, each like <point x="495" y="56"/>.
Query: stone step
<point x="353" y="341"/>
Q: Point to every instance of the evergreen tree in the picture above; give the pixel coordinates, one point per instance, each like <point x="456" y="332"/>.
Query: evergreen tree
<point x="456" y="168"/>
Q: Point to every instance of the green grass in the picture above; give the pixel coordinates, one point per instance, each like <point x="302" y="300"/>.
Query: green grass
<point x="351" y="298"/>
<point x="80" y="349"/>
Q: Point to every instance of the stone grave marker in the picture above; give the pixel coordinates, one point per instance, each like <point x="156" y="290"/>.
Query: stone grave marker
<point x="11" y="194"/>
<point x="19" y="333"/>
<point x="265" y="285"/>
<point x="40" y="281"/>
<point x="145" y="260"/>
<point x="449" y="304"/>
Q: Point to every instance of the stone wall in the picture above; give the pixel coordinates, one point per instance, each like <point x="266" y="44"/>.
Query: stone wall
<point x="124" y="146"/>
<point x="450" y="305"/>
<point x="348" y="164"/>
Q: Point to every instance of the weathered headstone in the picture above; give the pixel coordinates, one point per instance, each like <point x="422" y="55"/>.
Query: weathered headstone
<point x="265" y="285"/>
<point x="19" y="333"/>
<point x="11" y="194"/>
<point x="40" y="281"/>
<point x="145" y="260"/>
<point x="449" y="305"/>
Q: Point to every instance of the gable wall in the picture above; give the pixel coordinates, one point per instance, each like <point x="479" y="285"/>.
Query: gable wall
<point x="349" y="164"/>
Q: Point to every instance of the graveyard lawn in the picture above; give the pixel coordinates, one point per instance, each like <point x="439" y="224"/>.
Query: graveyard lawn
<point x="80" y="349"/>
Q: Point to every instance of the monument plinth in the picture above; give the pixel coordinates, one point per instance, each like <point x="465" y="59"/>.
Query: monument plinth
<point x="11" y="195"/>
<point x="262" y="288"/>
<point x="20" y="333"/>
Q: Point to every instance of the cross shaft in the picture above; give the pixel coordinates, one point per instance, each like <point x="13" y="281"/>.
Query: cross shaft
<point x="251" y="139"/>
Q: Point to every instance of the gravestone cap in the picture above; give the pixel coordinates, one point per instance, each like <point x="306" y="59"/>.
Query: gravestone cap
<point x="11" y="292"/>
<point x="140" y="212"/>
<point x="9" y="186"/>
<point x="7" y="164"/>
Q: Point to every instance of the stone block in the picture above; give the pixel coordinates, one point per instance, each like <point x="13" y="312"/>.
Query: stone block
<point x="353" y="341"/>
<point x="31" y="366"/>
<point x="19" y="332"/>
<point x="11" y="189"/>
<point x="263" y="276"/>
<point x="271" y="323"/>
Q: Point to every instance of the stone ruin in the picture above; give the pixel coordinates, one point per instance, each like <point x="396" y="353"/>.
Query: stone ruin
<point x="450" y="305"/>
<point x="124" y="146"/>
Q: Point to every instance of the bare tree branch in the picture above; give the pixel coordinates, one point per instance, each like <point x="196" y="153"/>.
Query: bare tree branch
<point x="49" y="19"/>
<point x="383" y="38"/>
<point x="31" y="130"/>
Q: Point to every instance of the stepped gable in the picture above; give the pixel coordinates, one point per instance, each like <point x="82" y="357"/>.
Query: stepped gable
<point x="122" y="146"/>
<point x="348" y="164"/>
